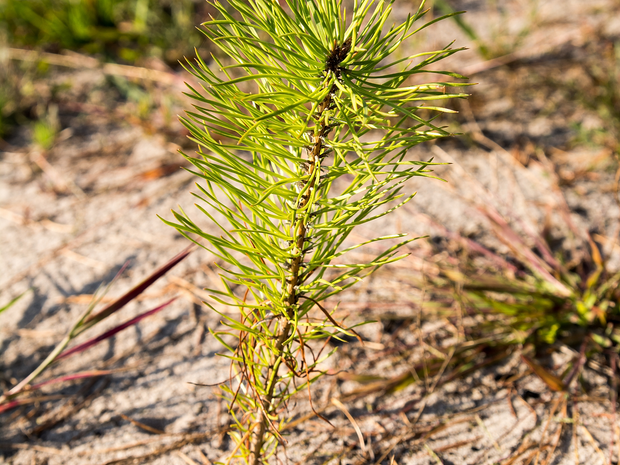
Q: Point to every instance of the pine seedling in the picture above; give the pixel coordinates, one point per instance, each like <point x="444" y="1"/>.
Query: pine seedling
<point x="303" y="126"/>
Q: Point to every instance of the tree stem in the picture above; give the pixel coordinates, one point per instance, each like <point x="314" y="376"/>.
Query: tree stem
<point x="293" y="281"/>
<point x="260" y="427"/>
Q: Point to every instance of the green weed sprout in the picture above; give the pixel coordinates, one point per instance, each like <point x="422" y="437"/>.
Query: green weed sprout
<point x="303" y="133"/>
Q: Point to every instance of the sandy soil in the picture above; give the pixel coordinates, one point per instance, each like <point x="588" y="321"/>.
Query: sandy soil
<point x="70" y="218"/>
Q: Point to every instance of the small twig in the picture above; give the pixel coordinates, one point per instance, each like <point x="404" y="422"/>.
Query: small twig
<point x="303" y="356"/>
<point x="509" y="400"/>
<point x="185" y="458"/>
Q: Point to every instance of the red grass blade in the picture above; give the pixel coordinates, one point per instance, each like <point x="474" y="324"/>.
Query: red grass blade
<point x="72" y="377"/>
<point x="84" y="324"/>
<point x="469" y="243"/>
<point x="12" y="404"/>
<point x="133" y="293"/>
<point x="509" y="237"/>
<point x="102" y="337"/>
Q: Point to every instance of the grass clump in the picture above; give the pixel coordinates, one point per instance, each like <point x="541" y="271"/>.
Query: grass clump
<point x="25" y="392"/>
<point x="544" y="294"/>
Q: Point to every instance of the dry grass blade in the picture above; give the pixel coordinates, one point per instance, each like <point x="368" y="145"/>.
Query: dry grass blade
<point x="487" y="433"/>
<point x="444" y="365"/>
<point x="390" y="447"/>
<point x="458" y="444"/>
<point x="553" y="382"/>
<point x="432" y="453"/>
<point x="30" y="400"/>
<point x="59" y="181"/>
<point x="203" y="457"/>
<point x="593" y="442"/>
<point x="356" y="427"/>
<point x="302" y="419"/>
<point x="564" y="401"/>
<point x="186" y="439"/>
<point x="185" y="458"/>
<point x="131" y="445"/>
<point x="141" y="425"/>
<point x="18" y="445"/>
<point x="614" y="398"/>
<point x="245" y="437"/>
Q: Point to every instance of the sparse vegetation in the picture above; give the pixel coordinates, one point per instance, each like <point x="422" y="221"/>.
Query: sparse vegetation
<point x="517" y="311"/>
<point x="544" y="293"/>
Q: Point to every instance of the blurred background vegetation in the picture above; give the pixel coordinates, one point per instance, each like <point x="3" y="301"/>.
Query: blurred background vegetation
<point x="123" y="30"/>
<point x="143" y="33"/>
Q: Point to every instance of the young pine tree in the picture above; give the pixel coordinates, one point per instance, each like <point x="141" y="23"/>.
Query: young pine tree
<point x="303" y="121"/>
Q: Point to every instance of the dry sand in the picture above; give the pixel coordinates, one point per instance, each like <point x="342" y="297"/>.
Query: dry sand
<point x="71" y="218"/>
